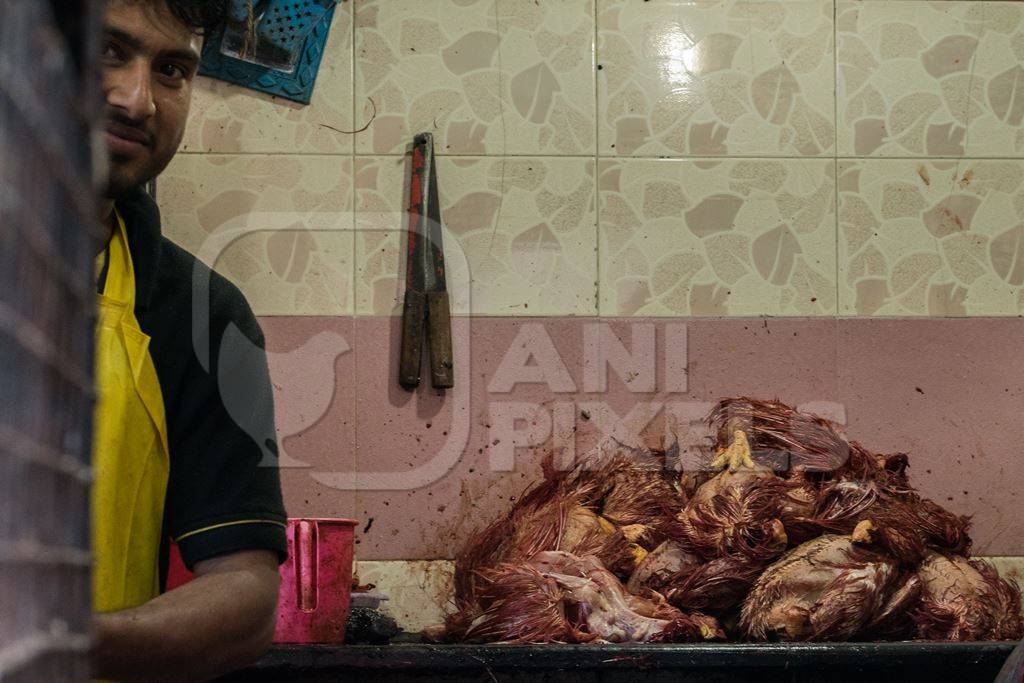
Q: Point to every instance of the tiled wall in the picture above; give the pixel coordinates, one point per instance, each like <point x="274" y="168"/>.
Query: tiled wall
<point x="662" y="157"/>
<point x="829" y="159"/>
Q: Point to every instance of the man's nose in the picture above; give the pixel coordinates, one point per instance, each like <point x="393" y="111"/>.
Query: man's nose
<point x="131" y="91"/>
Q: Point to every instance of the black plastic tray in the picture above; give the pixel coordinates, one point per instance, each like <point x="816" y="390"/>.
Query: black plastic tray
<point x="904" y="662"/>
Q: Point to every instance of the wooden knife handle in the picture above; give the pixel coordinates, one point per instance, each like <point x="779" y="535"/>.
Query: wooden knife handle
<point x="413" y="313"/>
<point x="439" y="334"/>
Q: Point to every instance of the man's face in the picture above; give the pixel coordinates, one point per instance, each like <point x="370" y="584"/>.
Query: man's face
<point x="149" y="61"/>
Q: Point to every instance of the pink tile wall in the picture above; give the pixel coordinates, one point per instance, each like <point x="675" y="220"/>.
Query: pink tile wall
<point x="948" y="391"/>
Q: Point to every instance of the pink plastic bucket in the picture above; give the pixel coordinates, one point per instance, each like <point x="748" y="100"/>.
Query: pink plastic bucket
<point x="316" y="580"/>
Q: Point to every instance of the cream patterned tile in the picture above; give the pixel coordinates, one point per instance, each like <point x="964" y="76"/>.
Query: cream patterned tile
<point x="699" y="78"/>
<point x="931" y="238"/>
<point x="717" y="237"/>
<point x="229" y="119"/>
<point x="292" y="215"/>
<point x="520" y="230"/>
<point x="420" y="592"/>
<point x="930" y="79"/>
<point x="485" y="76"/>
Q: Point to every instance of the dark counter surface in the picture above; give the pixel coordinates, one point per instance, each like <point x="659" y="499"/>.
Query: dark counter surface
<point x="861" y="662"/>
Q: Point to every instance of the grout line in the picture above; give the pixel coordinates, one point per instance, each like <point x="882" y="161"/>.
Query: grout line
<point x="823" y="317"/>
<point x="835" y="144"/>
<point x="731" y="157"/>
<point x="504" y="130"/>
<point x="501" y="96"/>
<point x="354" y="320"/>
<point x="354" y="194"/>
<point x="352" y="73"/>
<point x="598" y="232"/>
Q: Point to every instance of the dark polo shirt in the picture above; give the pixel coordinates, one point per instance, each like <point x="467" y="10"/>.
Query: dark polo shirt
<point x="224" y="492"/>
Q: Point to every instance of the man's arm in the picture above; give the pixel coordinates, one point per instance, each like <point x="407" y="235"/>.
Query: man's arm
<point x="218" y="622"/>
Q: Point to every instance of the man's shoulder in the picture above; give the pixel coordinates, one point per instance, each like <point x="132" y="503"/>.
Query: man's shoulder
<point x="191" y="288"/>
<point x="196" y="319"/>
<point x="177" y="291"/>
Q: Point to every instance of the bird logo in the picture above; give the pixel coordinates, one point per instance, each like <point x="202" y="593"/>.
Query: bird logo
<point x="302" y="382"/>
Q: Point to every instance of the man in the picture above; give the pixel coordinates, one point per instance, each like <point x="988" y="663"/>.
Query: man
<point x="169" y="462"/>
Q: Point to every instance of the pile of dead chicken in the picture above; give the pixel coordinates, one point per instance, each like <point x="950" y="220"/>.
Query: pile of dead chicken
<point x="802" y="535"/>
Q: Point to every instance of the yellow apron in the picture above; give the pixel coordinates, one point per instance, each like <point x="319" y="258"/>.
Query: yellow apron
<point x="130" y="455"/>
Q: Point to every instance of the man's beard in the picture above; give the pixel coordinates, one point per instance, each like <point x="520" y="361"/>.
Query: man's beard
<point x="125" y="175"/>
<point x="121" y="182"/>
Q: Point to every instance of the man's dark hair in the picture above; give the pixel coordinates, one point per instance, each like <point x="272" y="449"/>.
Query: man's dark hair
<point x="202" y="16"/>
<point x="205" y="16"/>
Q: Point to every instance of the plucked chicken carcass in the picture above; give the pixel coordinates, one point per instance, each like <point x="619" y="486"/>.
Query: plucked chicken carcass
<point x="559" y="597"/>
<point x="832" y="483"/>
<point x="634" y="490"/>
<point x="845" y="588"/>
<point x="725" y="536"/>
<point x="794" y="533"/>
<point x="734" y="525"/>
<point x="613" y="508"/>
<point x="964" y="599"/>
<point x="830" y="588"/>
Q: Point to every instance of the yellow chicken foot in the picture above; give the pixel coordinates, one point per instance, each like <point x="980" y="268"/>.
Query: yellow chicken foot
<point x="634" y="532"/>
<point x="779" y="533"/>
<point x="863" y="532"/>
<point x="736" y="455"/>
<point x="638" y="552"/>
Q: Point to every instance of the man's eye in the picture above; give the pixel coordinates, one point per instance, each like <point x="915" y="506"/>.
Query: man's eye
<point x="175" y="71"/>
<point x="110" y="51"/>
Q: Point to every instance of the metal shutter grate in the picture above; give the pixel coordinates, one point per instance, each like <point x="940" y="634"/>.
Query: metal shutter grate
<point x="47" y="247"/>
